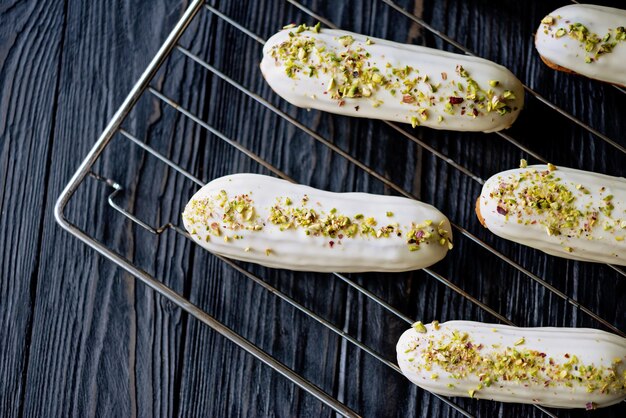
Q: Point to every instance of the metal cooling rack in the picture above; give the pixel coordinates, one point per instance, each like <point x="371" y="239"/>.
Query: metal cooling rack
<point x="144" y="86"/>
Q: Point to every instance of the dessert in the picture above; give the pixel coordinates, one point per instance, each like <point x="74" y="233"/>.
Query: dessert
<point x="553" y="367"/>
<point x="351" y="74"/>
<point x="279" y="224"/>
<point x="585" y="39"/>
<point x="562" y="211"/>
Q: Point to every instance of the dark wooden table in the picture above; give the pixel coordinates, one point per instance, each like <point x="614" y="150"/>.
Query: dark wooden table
<point x="79" y="337"/>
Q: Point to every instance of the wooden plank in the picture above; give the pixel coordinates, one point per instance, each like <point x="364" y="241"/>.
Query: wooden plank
<point x="31" y="38"/>
<point x="100" y="345"/>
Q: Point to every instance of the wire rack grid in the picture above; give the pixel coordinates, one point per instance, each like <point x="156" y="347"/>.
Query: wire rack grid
<point x="147" y="86"/>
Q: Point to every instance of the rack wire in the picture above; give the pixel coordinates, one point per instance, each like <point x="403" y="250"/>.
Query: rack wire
<point x="172" y="46"/>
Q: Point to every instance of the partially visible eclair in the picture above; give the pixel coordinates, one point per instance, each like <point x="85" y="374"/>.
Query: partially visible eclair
<point x="554" y="367"/>
<point x="562" y="211"/>
<point x="585" y="39"/>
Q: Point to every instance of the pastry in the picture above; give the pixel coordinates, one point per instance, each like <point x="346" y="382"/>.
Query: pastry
<point x="561" y="211"/>
<point x="585" y="39"/>
<point x="351" y="74"/>
<point x="553" y="367"/>
<point x="279" y="224"/>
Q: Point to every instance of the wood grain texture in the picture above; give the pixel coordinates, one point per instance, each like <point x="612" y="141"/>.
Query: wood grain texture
<point x="30" y="51"/>
<point x="82" y="339"/>
<point x="78" y="364"/>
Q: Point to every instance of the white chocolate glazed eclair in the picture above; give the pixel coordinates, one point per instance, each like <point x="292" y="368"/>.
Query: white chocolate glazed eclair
<point x="554" y="367"/>
<point x="585" y="39"/>
<point x="561" y="211"/>
<point x="279" y="224"/>
<point x="350" y="74"/>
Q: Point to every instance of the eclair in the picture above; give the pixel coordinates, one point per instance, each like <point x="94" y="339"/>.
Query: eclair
<point x="275" y="223"/>
<point x="561" y="211"/>
<point x="350" y="74"/>
<point x="553" y="367"/>
<point x="585" y="39"/>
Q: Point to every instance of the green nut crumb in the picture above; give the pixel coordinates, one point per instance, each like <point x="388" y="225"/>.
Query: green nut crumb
<point x="419" y="327"/>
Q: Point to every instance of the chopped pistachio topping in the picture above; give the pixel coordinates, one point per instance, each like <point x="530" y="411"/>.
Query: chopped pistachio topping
<point x="349" y="73"/>
<point x="424" y="232"/>
<point x="523" y="163"/>
<point x="346" y="40"/>
<point x="594" y="45"/>
<point x="419" y="327"/>
<point x="338" y="225"/>
<point x="221" y="212"/>
<point x="534" y="196"/>
<point x="455" y="353"/>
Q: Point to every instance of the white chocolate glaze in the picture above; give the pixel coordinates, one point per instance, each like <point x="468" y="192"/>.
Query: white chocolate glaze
<point x="509" y="364"/>
<point x="585" y="220"/>
<point x="279" y="224"/>
<point x="390" y="81"/>
<point x="555" y="43"/>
